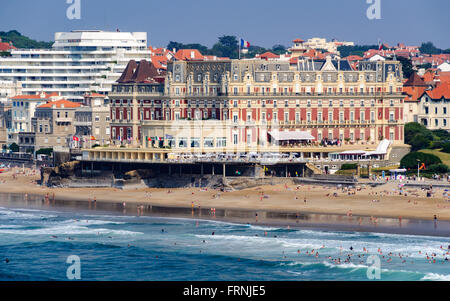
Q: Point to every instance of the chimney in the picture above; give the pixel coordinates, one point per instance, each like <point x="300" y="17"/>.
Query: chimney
<point x="192" y="54"/>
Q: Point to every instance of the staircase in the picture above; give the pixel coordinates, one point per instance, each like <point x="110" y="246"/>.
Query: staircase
<point x="313" y="168"/>
<point x="396" y="154"/>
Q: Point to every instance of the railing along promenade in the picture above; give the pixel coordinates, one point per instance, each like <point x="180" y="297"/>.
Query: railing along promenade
<point x="250" y="154"/>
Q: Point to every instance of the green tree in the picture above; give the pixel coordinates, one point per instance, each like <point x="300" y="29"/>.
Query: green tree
<point x="176" y="45"/>
<point x="279" y="49"/>
<point x="406" y="66"/>
<point x="355" y="50"/>
<point x="226" y="47"/>
<point x="45" y="151"/>
<point x="14" y="147"/>
<point x="441" y="134"/>
<point x="418" y="136"/>
<point x="438" y="168"/>
<point x="446" y="147"/>
<point x="419" y="142"/>
<point x="410" y="160"/>
<point x="20" y="41"/>
<point x="429" y="48"/>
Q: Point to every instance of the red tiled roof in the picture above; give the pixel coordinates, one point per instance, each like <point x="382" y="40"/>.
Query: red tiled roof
<point x="127" y="74"/>
<point x="298" y="41"/>
<point x="351" y="58"/>
<point x="160" y="62"/>
<point x="268" y="55"/>
<point x="35" y="96"/>
<point x="314" y="54"/>
<point x="144" y="72"/>
<point x="444" y="76"/>
<point x="188" y="54"/>
<point x="428" y="76"/>
<point x="293" y="60"/>
<point x="94" y="95"/>
<point x="413" y="93"/>
<point x="59" y="104"/>
<point x="441" y="90"/>
<point x="6" y="46"/>
<point x="415" y="81"/>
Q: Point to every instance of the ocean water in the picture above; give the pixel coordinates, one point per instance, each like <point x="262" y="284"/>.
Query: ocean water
<point x="114" y="247"/>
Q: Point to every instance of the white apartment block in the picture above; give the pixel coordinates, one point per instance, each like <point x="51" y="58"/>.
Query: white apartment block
<point x="79" y="61"/>
<point x="321" y="43"/>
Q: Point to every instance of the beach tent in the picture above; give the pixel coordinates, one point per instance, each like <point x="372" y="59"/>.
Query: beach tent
<point x="397" y="173"/>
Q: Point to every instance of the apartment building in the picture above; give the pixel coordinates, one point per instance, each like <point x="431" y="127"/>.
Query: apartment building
<point x="92" y="121"/>
<point x="79" y="61"/>
<point x="52" y="125"/>
<point x="433" y="109"/>
<point x="5" y="122"/>
<point x="322" y="43"/>
<point x="22" y="111"/>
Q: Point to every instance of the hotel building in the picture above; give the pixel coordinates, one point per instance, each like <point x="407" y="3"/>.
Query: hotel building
<point x="311" y="109"/>
<point x="79" y="61"/>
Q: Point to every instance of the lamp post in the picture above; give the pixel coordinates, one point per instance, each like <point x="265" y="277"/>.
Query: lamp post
<point x="418" y="170"/>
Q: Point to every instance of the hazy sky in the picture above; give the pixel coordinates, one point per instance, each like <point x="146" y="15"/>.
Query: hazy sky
<point x="263" y="22"/>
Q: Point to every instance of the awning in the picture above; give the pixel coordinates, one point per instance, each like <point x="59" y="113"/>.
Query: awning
<point x="291" y="135"/>
<point x="353" y="152"/>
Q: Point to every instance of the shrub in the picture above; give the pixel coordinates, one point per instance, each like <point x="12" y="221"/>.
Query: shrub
<point x="438" y="168"/>
<point x="410" y="160"/>
<point x="446" y="147"/>
<point x="441" y="134"/>
<point x="419" y="141"/>
<point x="418" y="136"/>
<point x="45" y="151"/>
<point x="436" y="144"/>
<point x="14" y="147"/>
<point x="348" y="166"/>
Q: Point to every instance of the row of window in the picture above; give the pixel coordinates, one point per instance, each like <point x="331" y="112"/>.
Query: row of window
<point x="444" y="110"/>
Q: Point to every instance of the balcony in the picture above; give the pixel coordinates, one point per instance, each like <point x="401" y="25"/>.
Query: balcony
<point x="82" y="123"/>
<point x="63" y="119"/>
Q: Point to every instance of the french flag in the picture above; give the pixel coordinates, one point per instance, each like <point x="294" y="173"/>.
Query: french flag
<point x="244" y="44"/>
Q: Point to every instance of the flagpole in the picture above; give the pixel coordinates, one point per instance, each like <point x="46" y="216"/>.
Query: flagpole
<point x="240" y="48"/>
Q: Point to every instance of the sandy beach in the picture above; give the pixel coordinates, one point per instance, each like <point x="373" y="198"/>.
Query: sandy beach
<point x="381" y="201"/>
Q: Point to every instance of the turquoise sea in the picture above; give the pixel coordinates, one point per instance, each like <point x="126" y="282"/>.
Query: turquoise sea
<point x="35" y="244"/>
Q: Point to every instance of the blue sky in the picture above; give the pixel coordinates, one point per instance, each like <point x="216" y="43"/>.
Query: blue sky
<point x="262" y="22"/>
